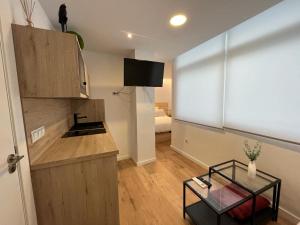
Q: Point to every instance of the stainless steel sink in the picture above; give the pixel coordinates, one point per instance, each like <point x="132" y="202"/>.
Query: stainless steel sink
<point x="81" y="129"/>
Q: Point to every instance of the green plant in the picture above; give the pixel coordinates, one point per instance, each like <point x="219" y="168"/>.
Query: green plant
<point x="80" y="39"/>
<point x="252" y="153"/>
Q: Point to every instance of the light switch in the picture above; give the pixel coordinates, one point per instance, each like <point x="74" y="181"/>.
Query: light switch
<point x="37" y="134"/>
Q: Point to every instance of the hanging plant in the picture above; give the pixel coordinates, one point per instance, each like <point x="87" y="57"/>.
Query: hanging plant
<point x="80" y="39"/>
<point x="28" y="7"/>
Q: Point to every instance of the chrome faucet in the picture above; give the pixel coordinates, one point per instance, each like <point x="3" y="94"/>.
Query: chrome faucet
<point x="76" y="118"/>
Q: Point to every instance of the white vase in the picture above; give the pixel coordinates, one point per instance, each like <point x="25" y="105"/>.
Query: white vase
<point x="252" y="169"/>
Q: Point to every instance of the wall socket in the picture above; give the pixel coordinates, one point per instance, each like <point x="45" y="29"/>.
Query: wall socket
<point x="37" y="134"/>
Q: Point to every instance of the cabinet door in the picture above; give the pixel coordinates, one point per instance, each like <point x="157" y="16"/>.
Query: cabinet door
<point x="82" y="74"/>
<point x="47" y="62"/>
<point x="79" y="193"/>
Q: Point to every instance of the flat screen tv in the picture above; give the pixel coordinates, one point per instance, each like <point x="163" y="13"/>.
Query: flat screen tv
<point x="143" y="73"/>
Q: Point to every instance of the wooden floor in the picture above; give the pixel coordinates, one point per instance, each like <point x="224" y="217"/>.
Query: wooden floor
<point x="152" y="194"/>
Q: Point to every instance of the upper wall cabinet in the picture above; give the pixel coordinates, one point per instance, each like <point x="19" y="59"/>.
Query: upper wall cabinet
<point x="49" y="64"/>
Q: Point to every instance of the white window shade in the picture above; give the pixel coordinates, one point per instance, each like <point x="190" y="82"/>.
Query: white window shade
<point x="263" y="74"/>
<point x="199" y="82"/>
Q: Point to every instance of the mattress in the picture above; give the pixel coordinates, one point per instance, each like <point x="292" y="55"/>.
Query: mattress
<point x="163" y="124"/>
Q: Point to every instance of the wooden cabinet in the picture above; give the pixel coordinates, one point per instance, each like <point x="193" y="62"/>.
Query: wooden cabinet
<point x="79" y="193"/>
<point x="49" y="63"/>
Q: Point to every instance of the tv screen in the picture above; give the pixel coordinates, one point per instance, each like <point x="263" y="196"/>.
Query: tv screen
<point x="143" y="73"/>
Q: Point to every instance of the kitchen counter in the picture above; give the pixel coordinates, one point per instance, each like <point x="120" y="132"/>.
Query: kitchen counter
<point x="76" y="149"/>
<point x="79" y="177"/>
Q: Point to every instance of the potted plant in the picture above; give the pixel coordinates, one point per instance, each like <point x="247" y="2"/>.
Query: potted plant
<point x="252" y="153"/>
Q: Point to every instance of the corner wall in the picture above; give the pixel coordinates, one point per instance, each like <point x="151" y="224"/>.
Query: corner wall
<point x="130" y="114"/>
<point x="144" y="106"/>
<point x="106" y="76"/>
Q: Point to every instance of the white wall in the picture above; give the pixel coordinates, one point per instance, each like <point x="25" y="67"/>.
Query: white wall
<point x="145" y="125"/>
<point x="205" y="145"/>
<point x="127" y="115"/>
<point x="142" y="118"/>
<point x="164" y="94"/>
<point x="105" y="76"/>
<point x="11" y="12"/>
<point x="209" y="146"/>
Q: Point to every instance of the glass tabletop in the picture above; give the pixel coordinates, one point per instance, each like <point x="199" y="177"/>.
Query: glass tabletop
<point x="222" y="195"/>
<point x="238" y="172"/>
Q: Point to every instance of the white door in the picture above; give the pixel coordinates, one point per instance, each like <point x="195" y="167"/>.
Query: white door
<point x="11" y="205"/>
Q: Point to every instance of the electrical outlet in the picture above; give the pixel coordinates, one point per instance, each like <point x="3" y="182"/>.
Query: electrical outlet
<point x="37" y="134"/>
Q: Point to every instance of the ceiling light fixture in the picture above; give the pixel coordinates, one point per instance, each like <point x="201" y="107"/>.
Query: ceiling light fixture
<point x="178" y="20"/>
<point x="129" y="35"/>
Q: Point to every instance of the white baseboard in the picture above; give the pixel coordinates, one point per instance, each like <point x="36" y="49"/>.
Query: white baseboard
<point x="122" y="157"/>
<point x="144" y="162"/>
<point x="285" y="214"/>
<point x="140" y="163"/>
<point x="192" y="158"/>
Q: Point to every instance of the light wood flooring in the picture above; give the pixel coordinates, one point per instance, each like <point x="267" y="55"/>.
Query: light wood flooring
<point x="152" y="194"/>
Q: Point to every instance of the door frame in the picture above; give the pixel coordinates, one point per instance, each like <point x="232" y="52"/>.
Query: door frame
<point x="12" y="121"/>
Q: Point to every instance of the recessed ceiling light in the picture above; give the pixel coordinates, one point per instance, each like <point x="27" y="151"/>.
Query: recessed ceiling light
<point x="178" y="20"/>
<point x="129" y="35"/>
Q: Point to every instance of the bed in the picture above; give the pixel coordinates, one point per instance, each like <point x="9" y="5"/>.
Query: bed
<point x="162" y="122"/>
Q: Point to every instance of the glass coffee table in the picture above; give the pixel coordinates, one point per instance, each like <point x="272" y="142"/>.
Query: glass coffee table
<point x="228" y="188"/>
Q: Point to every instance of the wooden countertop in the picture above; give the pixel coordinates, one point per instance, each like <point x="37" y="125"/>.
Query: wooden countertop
<point x="76" y="149"/>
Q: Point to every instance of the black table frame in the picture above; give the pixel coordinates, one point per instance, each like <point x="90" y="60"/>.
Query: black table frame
<point x="276" y="185"/>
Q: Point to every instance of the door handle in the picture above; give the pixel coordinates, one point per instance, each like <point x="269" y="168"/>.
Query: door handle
<point x="12" y="161"/>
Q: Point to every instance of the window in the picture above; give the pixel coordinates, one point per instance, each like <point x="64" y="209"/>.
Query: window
<point x="262" y="77"/>
<point x="199" y="82"/>
<point x="263" y="74"/>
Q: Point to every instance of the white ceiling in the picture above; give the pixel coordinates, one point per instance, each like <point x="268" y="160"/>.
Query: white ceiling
<point x="102" y="23"/>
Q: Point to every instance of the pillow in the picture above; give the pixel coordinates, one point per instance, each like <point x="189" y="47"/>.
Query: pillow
<point x="244" y="211"/>
<point x="159" y="112"/>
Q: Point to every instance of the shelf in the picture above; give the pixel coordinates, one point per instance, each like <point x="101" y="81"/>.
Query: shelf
<point x="237" y="172"/>
<point x="200" y="213"/>
<point x="222" y="195"/>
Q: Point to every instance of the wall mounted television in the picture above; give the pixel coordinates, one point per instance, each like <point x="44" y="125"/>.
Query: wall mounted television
<point x="143" y="73"/>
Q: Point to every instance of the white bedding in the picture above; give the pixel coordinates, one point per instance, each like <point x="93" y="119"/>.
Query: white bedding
<point x="162" y="124"/>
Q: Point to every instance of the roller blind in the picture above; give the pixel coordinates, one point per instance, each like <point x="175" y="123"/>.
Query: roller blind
<point x="263" y="74"/>
<point x="198" y="83"/>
